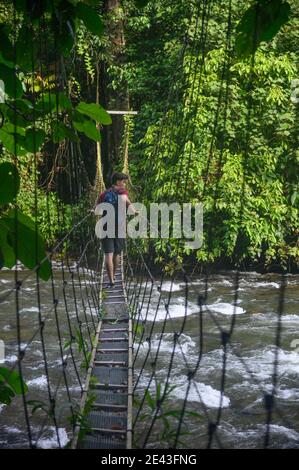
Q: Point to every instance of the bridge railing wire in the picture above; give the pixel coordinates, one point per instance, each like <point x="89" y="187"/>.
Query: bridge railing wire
<point x="55" y="322"/>
<point x="153" y="320"/>
<point x="163" y="417"/>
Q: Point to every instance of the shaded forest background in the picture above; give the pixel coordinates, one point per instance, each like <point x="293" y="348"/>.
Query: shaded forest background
<point x="199" y="98"/>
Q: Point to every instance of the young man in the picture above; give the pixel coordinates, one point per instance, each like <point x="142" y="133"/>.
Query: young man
<point x="114" y="246"/>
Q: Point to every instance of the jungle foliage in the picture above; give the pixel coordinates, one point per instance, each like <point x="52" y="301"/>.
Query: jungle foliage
<point x="213" y="126"/>
<point x="229" y="136"/>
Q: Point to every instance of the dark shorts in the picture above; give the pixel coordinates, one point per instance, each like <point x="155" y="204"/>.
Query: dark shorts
<point x="113" y="245"/>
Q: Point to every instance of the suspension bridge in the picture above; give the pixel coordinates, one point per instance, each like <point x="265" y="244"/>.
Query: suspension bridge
<point x="123" y="367"/>
<point x="110" y="421"/>
<point x="107" y="380"/>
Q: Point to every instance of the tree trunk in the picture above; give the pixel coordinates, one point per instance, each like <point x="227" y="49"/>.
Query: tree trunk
<point x="113" y="99"/>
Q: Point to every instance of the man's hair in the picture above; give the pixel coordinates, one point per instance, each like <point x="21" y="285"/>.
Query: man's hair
<point x="118" y="176"/>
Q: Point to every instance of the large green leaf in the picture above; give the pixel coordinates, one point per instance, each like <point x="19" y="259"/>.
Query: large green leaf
<point x="275" y="13"/>
<point x="18" y="141"/>
<point x="90" y="18"/>
<point x="13" y="86"/>
<point x="23" y="106"/>
<point x="9" y="182"/>
<point x="34" y="139"/>
<point x="12" y="142"/>
<point x="19" y="112"/>
<point x="27" y="244"/>
<point x="64" y="102"/>
<point x="6" y="393"/>
<point x="88" y="128"/>
<point x="259" y="23"/>
<point x="13" y="129"/>
<point x="95" y="111"/>
<point x="13" y="379"/>
<point x="60" y="132"/>
<point x="11" y="384"/>
<point x="7" y="253"/>
<point x="7" y="140"/>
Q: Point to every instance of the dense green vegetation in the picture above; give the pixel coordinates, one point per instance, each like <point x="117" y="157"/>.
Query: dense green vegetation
<point x="198" y="158"/>
<point x="38" y="117"/>
<point x="212" y="126"/>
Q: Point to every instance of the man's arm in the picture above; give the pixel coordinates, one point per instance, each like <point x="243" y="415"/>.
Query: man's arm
<point x="126" y="199"/>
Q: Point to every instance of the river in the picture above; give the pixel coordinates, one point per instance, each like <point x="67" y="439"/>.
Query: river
<point x="249" y="366"/>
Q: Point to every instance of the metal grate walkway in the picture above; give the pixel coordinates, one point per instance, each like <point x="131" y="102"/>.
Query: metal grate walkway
<point x="109" y="378"/>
